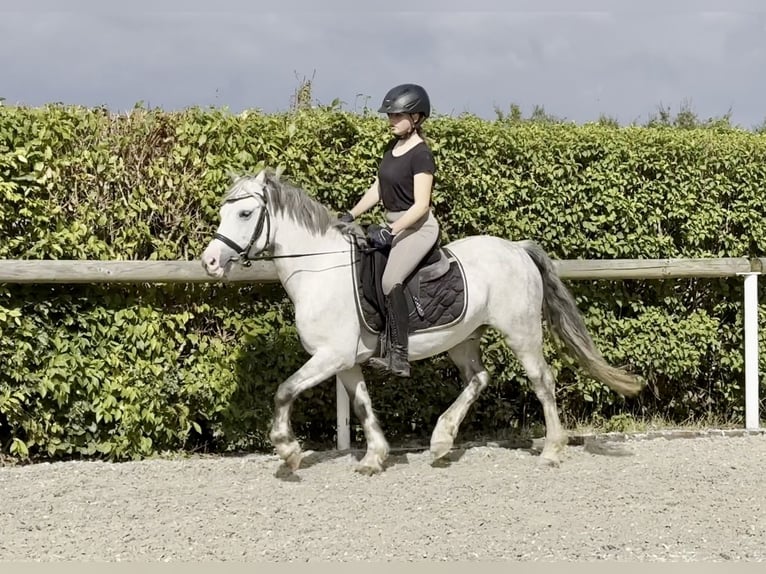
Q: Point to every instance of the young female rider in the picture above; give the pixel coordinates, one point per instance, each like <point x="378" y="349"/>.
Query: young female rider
<point x="404" y="184"/>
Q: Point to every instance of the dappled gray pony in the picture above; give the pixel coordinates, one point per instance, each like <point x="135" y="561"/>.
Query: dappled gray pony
<point x="510" y="285"/>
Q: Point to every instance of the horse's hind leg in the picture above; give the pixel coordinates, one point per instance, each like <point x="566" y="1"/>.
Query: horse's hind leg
<point x="467" y="357"/>
<point x="529" y="351"/>
<point x="377" y="447"/>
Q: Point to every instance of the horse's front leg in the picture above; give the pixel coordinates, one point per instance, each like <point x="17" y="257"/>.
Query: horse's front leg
<point x="377" y="447"/>
<point x="317" y="369"/>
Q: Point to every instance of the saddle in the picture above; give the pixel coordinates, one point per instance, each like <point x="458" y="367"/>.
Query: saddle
<point x="435" y="290"/>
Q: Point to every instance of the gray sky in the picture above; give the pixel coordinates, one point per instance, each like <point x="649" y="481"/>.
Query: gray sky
<point x="577" y="58"/>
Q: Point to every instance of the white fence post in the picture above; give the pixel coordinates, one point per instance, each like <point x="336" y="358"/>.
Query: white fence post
<point x="751" y="351"/>
<point x="344" y="416"/>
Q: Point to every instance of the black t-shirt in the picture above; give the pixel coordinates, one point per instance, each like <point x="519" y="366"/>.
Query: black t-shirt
<point x="396" y="175"/>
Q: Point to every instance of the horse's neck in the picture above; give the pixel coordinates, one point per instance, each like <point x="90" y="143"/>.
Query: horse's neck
<point x="315" y="252"/>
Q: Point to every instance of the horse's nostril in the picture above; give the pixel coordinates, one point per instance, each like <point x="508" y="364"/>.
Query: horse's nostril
<point x="208" y="262"/>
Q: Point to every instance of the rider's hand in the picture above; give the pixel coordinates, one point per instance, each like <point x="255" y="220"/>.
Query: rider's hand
<point x="380" y="236"/>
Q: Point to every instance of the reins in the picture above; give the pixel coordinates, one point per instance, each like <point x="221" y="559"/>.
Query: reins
<point x="264" y="220"/>
<point x="246" y="262"/>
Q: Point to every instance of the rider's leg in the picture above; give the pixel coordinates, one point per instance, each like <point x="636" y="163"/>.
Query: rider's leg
<point x="409" y="248"/>
<point x="395" y="357"/>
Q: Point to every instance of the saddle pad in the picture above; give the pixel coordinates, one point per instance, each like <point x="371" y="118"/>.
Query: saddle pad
<point x="432" y="304"/>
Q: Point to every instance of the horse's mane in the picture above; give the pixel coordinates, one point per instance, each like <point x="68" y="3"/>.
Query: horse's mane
<point x="286" y="198"/>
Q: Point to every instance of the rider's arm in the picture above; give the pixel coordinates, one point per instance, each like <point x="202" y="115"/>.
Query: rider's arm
<point x="369" y="199"/>
<point x="423" y="183"/>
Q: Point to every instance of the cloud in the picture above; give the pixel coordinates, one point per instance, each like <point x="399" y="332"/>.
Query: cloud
<point x="577" y="63"/>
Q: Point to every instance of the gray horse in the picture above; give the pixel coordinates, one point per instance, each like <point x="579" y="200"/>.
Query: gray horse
<point x="510" y="285"/>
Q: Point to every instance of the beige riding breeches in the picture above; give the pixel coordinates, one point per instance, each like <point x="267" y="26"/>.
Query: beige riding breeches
<point x="409" y="248"/>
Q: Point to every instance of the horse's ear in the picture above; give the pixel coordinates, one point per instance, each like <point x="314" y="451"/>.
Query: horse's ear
<point x="232" y="176"/>
<point x="269" y="177"/>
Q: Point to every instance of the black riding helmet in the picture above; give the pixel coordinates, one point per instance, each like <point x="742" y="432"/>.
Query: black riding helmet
<point x="406" y="99"/>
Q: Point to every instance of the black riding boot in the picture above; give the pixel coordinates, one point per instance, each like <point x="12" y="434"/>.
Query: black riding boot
<point x="394" y="357"/>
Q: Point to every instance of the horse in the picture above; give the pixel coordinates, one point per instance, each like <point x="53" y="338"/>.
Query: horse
<point x="512" y="286"/>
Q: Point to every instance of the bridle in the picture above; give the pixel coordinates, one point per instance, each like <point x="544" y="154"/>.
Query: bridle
<point x="264" y="220"/>
<point x="244" y="254"/>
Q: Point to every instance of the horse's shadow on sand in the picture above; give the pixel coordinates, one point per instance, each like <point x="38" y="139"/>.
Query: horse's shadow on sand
<point x="310" y="458"/>
<point x="401" y="456"/>
<point x="532" y="447"/>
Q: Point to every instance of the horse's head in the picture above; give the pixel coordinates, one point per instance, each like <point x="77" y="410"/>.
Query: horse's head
<point x="245" y="228"/>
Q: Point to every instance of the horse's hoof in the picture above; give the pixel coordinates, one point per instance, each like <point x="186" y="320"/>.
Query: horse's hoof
<point x="440" y="449"/>
<point x="293" y="461"/>
<point x="545" y="462"/>
<point x="369" y="466"/>
<point x="368" y="469"/>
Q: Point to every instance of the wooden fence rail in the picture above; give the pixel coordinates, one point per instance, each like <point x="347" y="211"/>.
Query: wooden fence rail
<point x="88" y="271"/>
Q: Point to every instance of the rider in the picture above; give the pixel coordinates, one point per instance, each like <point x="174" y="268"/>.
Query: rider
<point x="403" y="184"/>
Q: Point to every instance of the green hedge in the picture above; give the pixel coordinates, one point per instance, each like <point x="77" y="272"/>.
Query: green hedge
<point x="128" y="371"/>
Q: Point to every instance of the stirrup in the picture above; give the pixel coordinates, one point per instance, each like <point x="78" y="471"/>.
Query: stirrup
<point x="398" y="362"/>
<point x="380" y="363"/>
<point x="385" y="364"/>
<point x="403" y="371"/>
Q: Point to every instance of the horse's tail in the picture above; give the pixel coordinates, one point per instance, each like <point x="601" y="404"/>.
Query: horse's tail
<point x="565" y="320"/>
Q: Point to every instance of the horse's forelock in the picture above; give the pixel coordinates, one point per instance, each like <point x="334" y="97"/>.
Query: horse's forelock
<point x="242" y="186"/>
<point x="272" y="182"/>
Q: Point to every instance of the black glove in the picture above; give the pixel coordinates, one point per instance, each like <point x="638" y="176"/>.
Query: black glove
<point x="380" y="236"/>
<point x="347" y="217"/>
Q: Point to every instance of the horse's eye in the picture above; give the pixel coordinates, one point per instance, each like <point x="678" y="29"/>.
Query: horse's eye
<point x="245" y="214"/>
